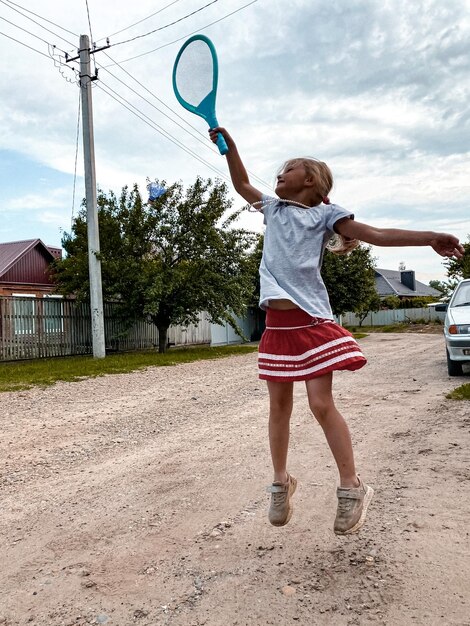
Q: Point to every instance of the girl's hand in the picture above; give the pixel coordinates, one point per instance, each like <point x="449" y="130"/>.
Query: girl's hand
<point x="447" y="245"/>
<point x="213" y="132"/>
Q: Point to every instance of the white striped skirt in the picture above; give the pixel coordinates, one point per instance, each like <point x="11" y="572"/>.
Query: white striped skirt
<point x="296" y="346"/>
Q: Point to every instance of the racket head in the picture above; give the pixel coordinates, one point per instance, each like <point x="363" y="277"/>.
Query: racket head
<point x="195" y="78"/>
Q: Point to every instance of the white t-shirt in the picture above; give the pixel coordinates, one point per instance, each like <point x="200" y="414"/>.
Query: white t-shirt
<point x="294" y="243"/>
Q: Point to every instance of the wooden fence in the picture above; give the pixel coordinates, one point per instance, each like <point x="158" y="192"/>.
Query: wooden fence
<point x="32" y="328"/>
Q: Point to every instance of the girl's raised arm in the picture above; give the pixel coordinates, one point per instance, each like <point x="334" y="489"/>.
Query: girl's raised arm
<point x="443" y="243"/>
<point x="237" y="170"/>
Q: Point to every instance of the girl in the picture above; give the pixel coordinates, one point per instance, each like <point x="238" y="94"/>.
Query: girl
<point x="301" y="341"/>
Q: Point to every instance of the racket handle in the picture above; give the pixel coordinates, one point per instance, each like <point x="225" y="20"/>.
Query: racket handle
<point x="221" y="144"/>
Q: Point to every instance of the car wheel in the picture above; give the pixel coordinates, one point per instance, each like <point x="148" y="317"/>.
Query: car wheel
<point x="454" y="368"/>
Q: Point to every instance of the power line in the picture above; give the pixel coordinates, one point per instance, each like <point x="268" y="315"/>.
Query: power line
<point x="167" y="25"/>
<point x="159" y="128"/>
<point x="26" y="45"/>
<point x="91" y="33"/>
<point x="59" y="64"/>
<point x="142" y="20"/>
<point x="76" y="158"/>
<point x="147" y="120"/>
<point x="89" y="21"/>
<point x="51" y="47"/>
<point x="206" y="143"/>
<point x="24" y="30"/>
<point x="203" y="139"/>
<point x="40" y="17"/>
<point x="34" y="22"/>
<point x="188" y="34"/>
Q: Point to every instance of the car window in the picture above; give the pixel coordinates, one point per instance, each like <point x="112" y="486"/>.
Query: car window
<point x="462" y="295"/>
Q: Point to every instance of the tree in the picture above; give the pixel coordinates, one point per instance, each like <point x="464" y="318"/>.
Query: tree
<point x="167" y="260"/>
<point x="459" y="268"/>
<point x="371" y="304"/>
<point x="444" y="288"/>
<point x="350" y="281"/>
<point x="259" y="316"/>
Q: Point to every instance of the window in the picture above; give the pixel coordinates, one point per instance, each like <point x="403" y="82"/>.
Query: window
<point x="24" y="307"/>
<point x="462" y="295"/>
<point x="53" y="311"/>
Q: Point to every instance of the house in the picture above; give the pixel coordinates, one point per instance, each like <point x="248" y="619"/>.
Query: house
<point x="26" y="295"/>
<point x="401" y="283"/>
<point x="25" y="268"/>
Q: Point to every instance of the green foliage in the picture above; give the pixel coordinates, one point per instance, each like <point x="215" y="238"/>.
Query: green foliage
<point x="259" y="316"/>
<point x="416" y="303"/>
<point x="371" y="304"/>
<point x="459" y="268"/>
<point x="359" y="335"/>
<point x="167" y="260"/>
<point x="391" y="302"/>
<point x="350" y="281"/>
<point x="254" y="263"/>
<point x="460" y="393"/>
<point x="444" y="287"/>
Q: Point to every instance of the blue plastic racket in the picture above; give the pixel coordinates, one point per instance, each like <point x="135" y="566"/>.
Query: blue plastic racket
<point x="195" y="78"/>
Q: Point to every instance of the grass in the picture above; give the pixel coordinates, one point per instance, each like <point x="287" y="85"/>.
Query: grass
<point x="22" y="375"/>
<point x="460" y="393"/>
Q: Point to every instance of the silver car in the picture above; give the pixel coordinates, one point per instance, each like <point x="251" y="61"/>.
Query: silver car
<point x="457" y="328"/>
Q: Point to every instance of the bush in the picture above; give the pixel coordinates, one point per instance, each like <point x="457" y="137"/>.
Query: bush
<point x="415" y="303"/>
<point x="391" y="302"/>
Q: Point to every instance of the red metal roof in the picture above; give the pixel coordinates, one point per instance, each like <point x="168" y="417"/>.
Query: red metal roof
<point x="11" y="252"/>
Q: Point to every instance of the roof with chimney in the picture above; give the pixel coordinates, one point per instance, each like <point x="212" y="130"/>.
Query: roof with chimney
<point x="401" y="283"/>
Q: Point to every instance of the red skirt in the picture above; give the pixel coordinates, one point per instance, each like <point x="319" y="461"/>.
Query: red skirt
<point x="296" y="346"/>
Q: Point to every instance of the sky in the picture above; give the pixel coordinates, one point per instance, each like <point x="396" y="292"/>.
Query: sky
<point x="377" y="89"/>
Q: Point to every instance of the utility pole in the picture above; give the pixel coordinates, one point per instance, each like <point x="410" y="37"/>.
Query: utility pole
<point x="94" y="263"/>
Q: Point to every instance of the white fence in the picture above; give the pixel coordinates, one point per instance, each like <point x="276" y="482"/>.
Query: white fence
<point x="192" y="334"/>
<point x="224" y="335"/>
<point x="394" y="316"/>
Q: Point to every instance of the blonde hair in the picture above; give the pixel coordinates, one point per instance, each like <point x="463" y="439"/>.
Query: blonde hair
<point x="323" y="178"/>
<point x="319" y="171"/>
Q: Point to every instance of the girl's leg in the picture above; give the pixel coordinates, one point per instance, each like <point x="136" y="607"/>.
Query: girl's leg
<point x="320" y="398"/>
<point x="280" y="411"/>
<point x="284" y="485"/>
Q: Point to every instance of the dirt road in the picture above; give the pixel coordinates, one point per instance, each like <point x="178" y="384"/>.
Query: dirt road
<point x="139" y="499"/>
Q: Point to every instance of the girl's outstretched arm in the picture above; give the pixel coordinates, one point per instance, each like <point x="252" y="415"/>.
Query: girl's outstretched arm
<point x="237" y="170"/>
<point x="443" y="243"/>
